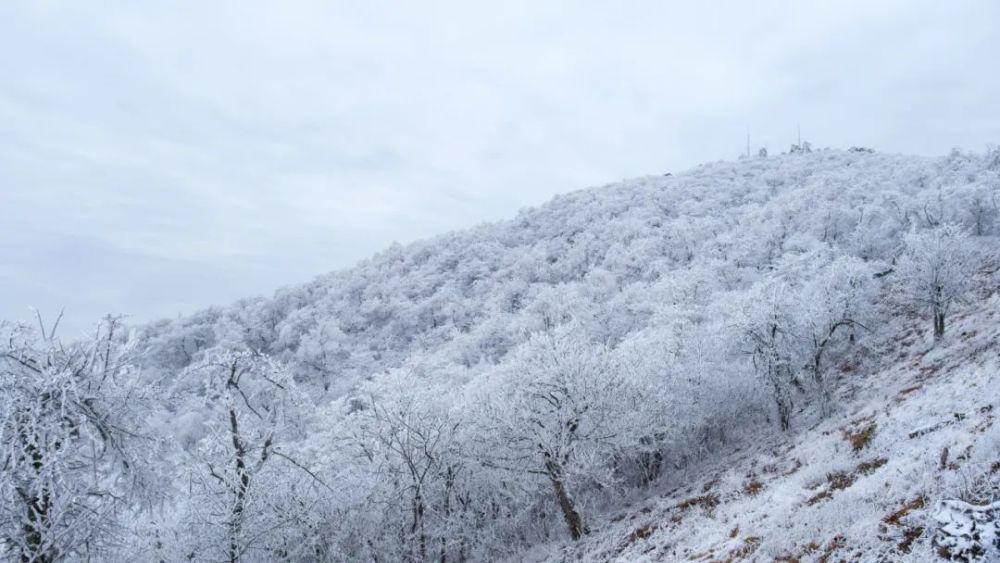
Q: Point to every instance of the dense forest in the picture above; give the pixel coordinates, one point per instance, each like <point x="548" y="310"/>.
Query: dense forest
<point x="477" y="395"/>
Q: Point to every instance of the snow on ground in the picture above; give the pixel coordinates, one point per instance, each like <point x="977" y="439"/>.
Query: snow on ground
<point x="870" y="483"/>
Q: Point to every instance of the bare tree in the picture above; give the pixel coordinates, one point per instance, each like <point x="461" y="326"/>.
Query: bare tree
<point x="68" y="441"/>
<point x="411" y="445"/>
<point x="767" y="333"/>
<point x="935" y="271"/>
<point x="241" y="468"/>
<point x="832" y="309"/>
<point x="562" y="414"/>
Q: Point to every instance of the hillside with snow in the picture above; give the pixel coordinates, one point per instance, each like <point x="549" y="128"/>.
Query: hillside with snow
<point x="792" y="358"/>
<point x="901" y="473"/>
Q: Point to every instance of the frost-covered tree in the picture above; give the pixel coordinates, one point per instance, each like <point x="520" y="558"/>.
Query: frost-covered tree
<point x="561" y="412"/>
<point x="250" y="496"/>
<point x="832" y="309"/>
<point x="935" y="271"/>
<point x="409" y="444"/>
<point x="766" y="331"/>
<point x="70" y="439"/>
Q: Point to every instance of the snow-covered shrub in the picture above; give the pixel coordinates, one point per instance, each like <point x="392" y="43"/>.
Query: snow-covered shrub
<point x="72" y="446"/>
<point x="967" y="532"/>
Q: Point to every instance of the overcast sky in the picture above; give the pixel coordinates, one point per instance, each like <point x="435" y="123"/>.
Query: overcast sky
<point x="158" y="157"/>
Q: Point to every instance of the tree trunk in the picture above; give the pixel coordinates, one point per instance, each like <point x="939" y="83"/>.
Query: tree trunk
<point x="572" y="517"/>
<point x="242" y="487"/>
<point x="782" y="397"/>
<point x="938" y="325"/>
<point x="417" y="527"/>
<point x="37" y="512"/>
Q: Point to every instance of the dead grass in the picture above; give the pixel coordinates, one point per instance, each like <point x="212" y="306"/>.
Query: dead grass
<point x="708" y="502"/>
<point x="869" y="467"/>
<point x="838" y="542"/>
<point x="640" y="533"/>
<point x="896" y="518"/>
<point x="903" y="394"/>
<point x="741" y="553"/>
<point x="859" y="438"/>
<point x="799" y="556"/>
<point x="753" y="488"/>
<point x="910" y="535"/>
<point x="701" y="555"/>
<point x="819" y="497"/>
<point x="635" y="535"/>
<point x="840" y="480"/>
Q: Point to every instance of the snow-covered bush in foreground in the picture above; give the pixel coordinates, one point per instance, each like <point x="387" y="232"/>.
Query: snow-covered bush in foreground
<point x="72" y="452"/>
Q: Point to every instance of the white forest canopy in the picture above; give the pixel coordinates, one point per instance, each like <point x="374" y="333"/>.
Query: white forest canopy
<point x="489" y="390"/>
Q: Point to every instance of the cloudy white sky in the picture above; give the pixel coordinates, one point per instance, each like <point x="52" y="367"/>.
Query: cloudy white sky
<point x="157" y="157"/>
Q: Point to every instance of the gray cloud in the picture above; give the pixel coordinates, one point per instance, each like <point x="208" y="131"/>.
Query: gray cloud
<point x="161" y="157"/>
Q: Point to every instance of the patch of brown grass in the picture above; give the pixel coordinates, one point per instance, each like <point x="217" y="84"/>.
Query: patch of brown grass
<point x="701" y="556"/>
<point x="838" y="542"/>
<point x="800" y="555"/>
<point x="869" y="467"/>
<point x="910" y="535"/>
<point x="753" y="488"/>
<point x="640" y="533"/>
<point x="902" y="394"/>
<point x="859" y="438"/>
<point x="808" y="549"/>
<point x="750" y="545"/>
<point x="926" y="372"/>
<point x="635" y="535"/>
<point x="840" y="480"/>
<point x="819" y="497"/>
<point x="708" y="502"/>
<point x="896" y="518"/>
<point x="811" y="548"/>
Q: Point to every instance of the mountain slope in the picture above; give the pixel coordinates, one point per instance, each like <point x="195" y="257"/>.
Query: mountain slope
<point x="616" y="251"/>
<point x="862" y="486"/>
<point x="642" y="335"/>
<point x="723" y="364"/>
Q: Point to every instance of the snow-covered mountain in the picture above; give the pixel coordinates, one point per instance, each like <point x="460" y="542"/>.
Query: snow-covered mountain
<point x="789" y="358"/>
<point x="619" y="256"/>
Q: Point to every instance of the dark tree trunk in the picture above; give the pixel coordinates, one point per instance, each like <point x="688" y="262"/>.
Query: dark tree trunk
<point x="242" y="486"/>
<point x="938" y="324"/>
<point x="573" y="521"/>
<point x="37" y="512"/>
<point x="417" y="527"/>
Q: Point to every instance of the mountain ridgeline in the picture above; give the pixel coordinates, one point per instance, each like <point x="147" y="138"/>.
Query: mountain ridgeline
<point x="496" y="392"/>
